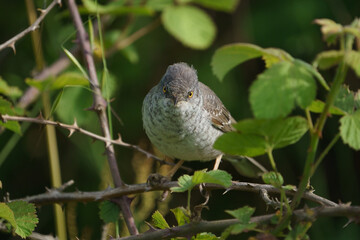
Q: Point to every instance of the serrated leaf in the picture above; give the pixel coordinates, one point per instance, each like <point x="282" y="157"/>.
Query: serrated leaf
<point x="229" y="56"/>
<point x="273" y="178"/>
<point x="116" y="8"/>
<point x="350" y="129"/>
<point x="277" y="133"/>
<point x="330" y="29"/>
<point x="9" y="91"/>
<point x="187" y="182"/>
<point x="7" y="214"/>
<point x="69" y="79"/>
<point x="181" y="215"/>
<point x="299" y="231"/>
<point x="205" y="236"/>
<point x="25" y="217"/>
<point x="223" y="5"/>
<point x="352" y="58"/>
<point x="159" y="221"/>
<point x="190" y="25"/>
<point x="241" y="144"/>
<point x="278" y="89"/>
<point x="7" y="108"/>
<point x="109" y="211"/>
<point x="184" y="182"/>
<point x="328" y="59"/>
<point x="242" y="214"/>
<point x="317" y="106"/>
<point x="257" y="136"/>
<point x="345" y="99"/>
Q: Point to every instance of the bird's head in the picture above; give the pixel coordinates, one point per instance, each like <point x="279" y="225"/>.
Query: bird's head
<point x="180" y="83"/>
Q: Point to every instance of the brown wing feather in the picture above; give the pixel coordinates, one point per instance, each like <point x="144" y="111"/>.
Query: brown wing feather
<point x="220" y="116"/>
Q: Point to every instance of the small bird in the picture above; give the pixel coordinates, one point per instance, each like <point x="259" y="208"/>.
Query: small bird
<point x="183" y="117"/>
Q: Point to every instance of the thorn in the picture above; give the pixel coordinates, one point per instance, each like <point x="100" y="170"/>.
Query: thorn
<point x="40" y="117"/>
<point x="12" y="45"/>
<point x="119" y="139"/>
<point x="75" y="127"/>
<point x="42" y="11"/>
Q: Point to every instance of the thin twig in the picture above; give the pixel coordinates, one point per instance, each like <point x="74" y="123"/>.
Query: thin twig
<point x="11" y="42"/>
<point x="54" y="196"/>
<point x="123" y="43"/>
<point x="99" y="106"/>
<point x="191" y="229"/>
<point x="75" y="128"/>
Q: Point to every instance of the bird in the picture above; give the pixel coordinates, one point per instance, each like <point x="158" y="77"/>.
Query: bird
<point x="183" y="117"/>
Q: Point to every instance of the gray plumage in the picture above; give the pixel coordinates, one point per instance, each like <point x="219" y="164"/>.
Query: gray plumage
<point x="183" y="117"/>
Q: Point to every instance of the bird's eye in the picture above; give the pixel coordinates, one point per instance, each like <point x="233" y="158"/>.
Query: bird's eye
<point x="164" y="89"/>
<point x="190" y="94"/>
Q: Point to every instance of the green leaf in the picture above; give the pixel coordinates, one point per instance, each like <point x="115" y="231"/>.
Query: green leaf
<point x="317" y="106"/>
<point x="328" y="59"/>
<point x="241" y="144"/>
<point x="223" y="5"/>
<point x="72" y="105"/>
<point x="205" y="236"/>
<point x="25" y="217"/>
<point x="184" y="182"/>
<point x="313" y="71"/>
<point x="190" y="25"/>
<point x="11" y="92"/>
<point x="229" y="56"/>
<point x="109" y="85"/>
<point x="242" y="214"/>
<point x="277" y="133"/>
<point x="109" y="211"/>
<point x="257" y="136"/>
<point x="350" y="129"/>
<point x="273" y="178"/>
<point x="158" y="5"/>
<point x="276" y="91"/>
<point x="181" y="215"/>
<point x="7" y="214"/>
<point x="345" y="99"/>
<point x="330" y="29"/>
<point x="56" y="102"/>
<point x="40" y="85"/>
<point x="159" y="221"/>
<point x="69" y="79"/>
<point x="299" y="231"/>
<point x="76" y="62"/>
<point x="352" y="58"/>
<point x="7" y="108"/>
<point x="187" y="182"/>
<point x="116" y="8"/>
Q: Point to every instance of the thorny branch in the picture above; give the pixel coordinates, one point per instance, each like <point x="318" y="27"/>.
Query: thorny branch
<point x="99" y="106"/>
<point x="75" y="128"/>
<point x="11" y="42"/>
<point x="308" y="215"/>
<point x="57" y="196"/>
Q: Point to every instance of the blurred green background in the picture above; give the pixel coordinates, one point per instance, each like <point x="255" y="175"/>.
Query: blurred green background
<point x="282" y="24"/>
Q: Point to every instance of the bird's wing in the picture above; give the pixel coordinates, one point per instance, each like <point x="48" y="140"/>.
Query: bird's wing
<point x="220" y="116"/>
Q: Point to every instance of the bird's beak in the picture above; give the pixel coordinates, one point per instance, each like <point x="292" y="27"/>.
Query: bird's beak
<point x="176" y="99"/>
